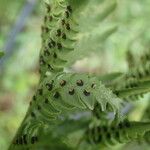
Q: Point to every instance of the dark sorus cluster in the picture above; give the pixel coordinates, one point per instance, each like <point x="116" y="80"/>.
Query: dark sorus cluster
<point x="24" y="140"/>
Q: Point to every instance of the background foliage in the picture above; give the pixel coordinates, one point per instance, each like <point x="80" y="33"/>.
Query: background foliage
<point x="19" y="76"/>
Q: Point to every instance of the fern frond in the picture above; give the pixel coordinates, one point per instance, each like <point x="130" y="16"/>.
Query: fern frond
<point x="44" y="141"/>
<point x="114" y="134"/>
<point x="136" y="82"/>
<point x="73" y="29"/>
<point x="51" y="137"/>
<point x="67" y="32"/>
<point x="64" y="92"/>
<point x="136" y="91"/>
<point x="77" y="90"/>
<point x="58" y="36"/>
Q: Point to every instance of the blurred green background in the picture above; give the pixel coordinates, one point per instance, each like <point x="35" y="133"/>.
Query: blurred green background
<point x="19" y="68"/>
